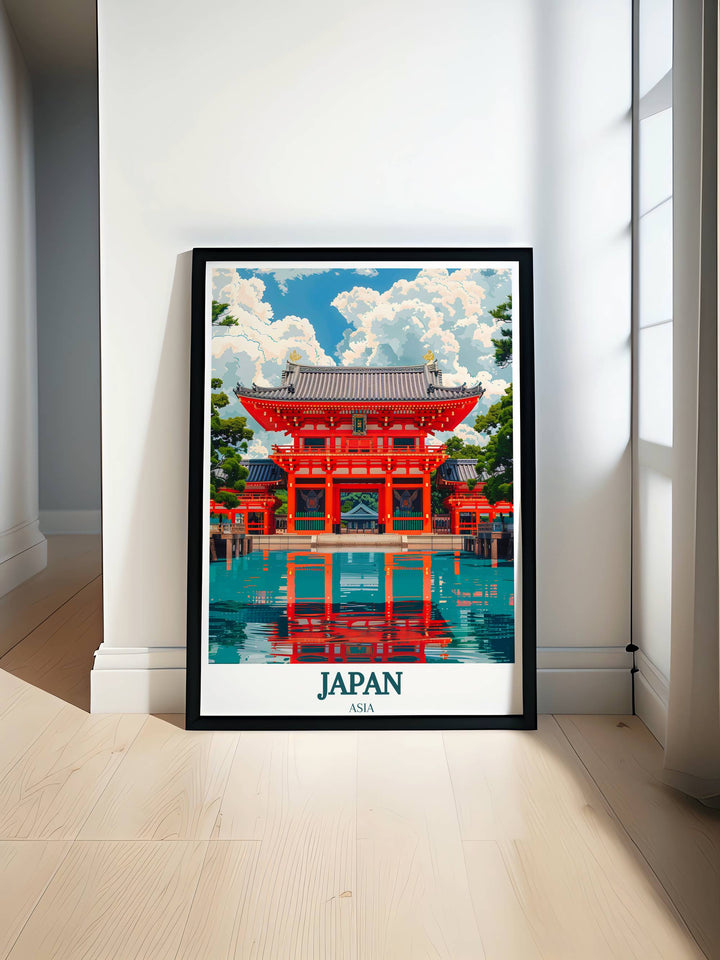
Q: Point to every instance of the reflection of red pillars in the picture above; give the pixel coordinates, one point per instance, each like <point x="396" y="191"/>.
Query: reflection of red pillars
<point x="457" y="563"/>
<point x="388" y="504"/>
<point x="327" y="562"/>
<point x="388" y="586"/>
<point x="427" y="585"/>
<point x="427" y="580"/>
<point x="291" y="503"/>
<point x="328" y="503"/>
<point x="291" y="586"/>
<point x="427" y="519"/>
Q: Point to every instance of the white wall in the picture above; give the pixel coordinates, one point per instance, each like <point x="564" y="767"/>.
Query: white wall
<point x="66" y="171"/>
<point x="23" y="550"/>
<point x="499" y="121"/>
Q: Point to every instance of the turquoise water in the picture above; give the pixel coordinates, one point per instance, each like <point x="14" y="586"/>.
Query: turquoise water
<point x="361" y="607"/>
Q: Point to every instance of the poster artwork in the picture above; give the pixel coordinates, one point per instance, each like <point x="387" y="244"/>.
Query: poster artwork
<point x="359" y="543"/>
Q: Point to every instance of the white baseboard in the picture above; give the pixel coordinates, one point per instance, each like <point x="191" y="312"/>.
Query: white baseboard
<point x="137" y="691"/>
<point x="23" y="553"/>
<point x="584" y="691"/>
<point x="70" y="521"/>
<point x="152" y="680"/>
<point x="651" y="697"/>
<point x="138" y="680"/>
<point x="584" y="680"/>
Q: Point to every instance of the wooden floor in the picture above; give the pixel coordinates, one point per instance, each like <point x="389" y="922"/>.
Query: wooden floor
<point x="126" y="837"/>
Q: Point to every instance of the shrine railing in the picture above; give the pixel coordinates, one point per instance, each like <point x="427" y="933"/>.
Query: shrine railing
<point x="407" y="520"/>
<point x="250" y="497"/>
<point x="336" y="446"/>
<point x="441" y="523"/>
<point x="309" y="521"/>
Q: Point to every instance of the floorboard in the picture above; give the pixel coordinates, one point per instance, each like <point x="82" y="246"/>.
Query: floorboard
<point x="49" y="793"/>
<point x="128" y="837"/>
<point x="168" y="787"/>
<point x="25" y="871"/>
<point x="114" y="901"/>
<point x="414" y="897"/>
<point x="294" y="794"/>
<point x="73" y="561"/>
<point x="25" y="713"/>
<point x="534" y="821"/>
<point x="676" y="834"/>
<point x="57" y="655"/>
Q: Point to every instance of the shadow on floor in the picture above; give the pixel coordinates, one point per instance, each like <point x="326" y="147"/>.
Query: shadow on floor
<point x="57" y="656"/>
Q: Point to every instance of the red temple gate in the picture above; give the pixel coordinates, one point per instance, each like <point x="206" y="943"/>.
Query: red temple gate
<point x="467" y="505"/>
<point x="363" y="428"/>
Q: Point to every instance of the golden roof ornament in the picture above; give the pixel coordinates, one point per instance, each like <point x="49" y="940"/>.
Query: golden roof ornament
<point x="294" y="357"/>
<point x="429" y="357"/>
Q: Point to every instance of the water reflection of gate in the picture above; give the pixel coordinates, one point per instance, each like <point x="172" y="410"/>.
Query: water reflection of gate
<point x="398" y="628"/>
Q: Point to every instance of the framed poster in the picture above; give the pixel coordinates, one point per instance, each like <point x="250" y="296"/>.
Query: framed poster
<point x="362" y="489"/>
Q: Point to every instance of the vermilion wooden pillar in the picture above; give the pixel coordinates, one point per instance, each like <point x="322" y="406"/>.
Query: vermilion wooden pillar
<point x="388" y="503"/>
<point x="291" y="503"/>
<point x="427" y="518"/>
<point x="454" y="519"/>
<point x="329" y="503"/>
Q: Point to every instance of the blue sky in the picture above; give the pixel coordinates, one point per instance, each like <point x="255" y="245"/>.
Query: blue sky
<point x="312" y="295"/>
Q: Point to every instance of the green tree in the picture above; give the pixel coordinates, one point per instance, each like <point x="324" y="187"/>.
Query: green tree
<point x="282" y="509"/>
<point x="228" y="441"/>
<point x="503" y="344"/>
<point x="495" y="463"/>
<point x="352" y="499"/>
<point x="436" y="496"/>
<point x="457" y="449"/>
<point x="219" y="316"/>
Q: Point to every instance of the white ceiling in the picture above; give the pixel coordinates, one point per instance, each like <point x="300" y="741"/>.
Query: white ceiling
<point x="55" y="35"/>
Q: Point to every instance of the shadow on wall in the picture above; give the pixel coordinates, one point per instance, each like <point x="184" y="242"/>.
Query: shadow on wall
<point x="582" y="240"/>
<point x="18" y="364"/>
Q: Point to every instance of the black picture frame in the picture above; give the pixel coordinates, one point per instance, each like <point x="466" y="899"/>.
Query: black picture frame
<point x="524" y="327"/>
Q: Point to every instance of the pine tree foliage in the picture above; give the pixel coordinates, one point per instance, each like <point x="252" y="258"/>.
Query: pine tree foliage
<point x="228" y="441"/>
<point x="503" y="344"/>
<point x="220" y="317"/>
<point x="495" y="463"/>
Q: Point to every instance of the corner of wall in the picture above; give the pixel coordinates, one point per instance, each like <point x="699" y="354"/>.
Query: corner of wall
<point x="651" y="697"/>
<point x="70" y="521"/>
<point x="23" y="553"/>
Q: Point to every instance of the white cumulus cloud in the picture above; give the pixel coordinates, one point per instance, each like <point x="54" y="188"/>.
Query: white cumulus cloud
<point x="283" y="275"/>
<point x="255" y="351"/>
<point x="444" y="311"/>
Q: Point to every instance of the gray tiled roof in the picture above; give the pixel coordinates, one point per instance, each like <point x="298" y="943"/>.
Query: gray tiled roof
<point x="456" y="471"/>
<point x="263" y="471"/>
<point x="361" y="511"/>
<point x="423" y="382"/>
